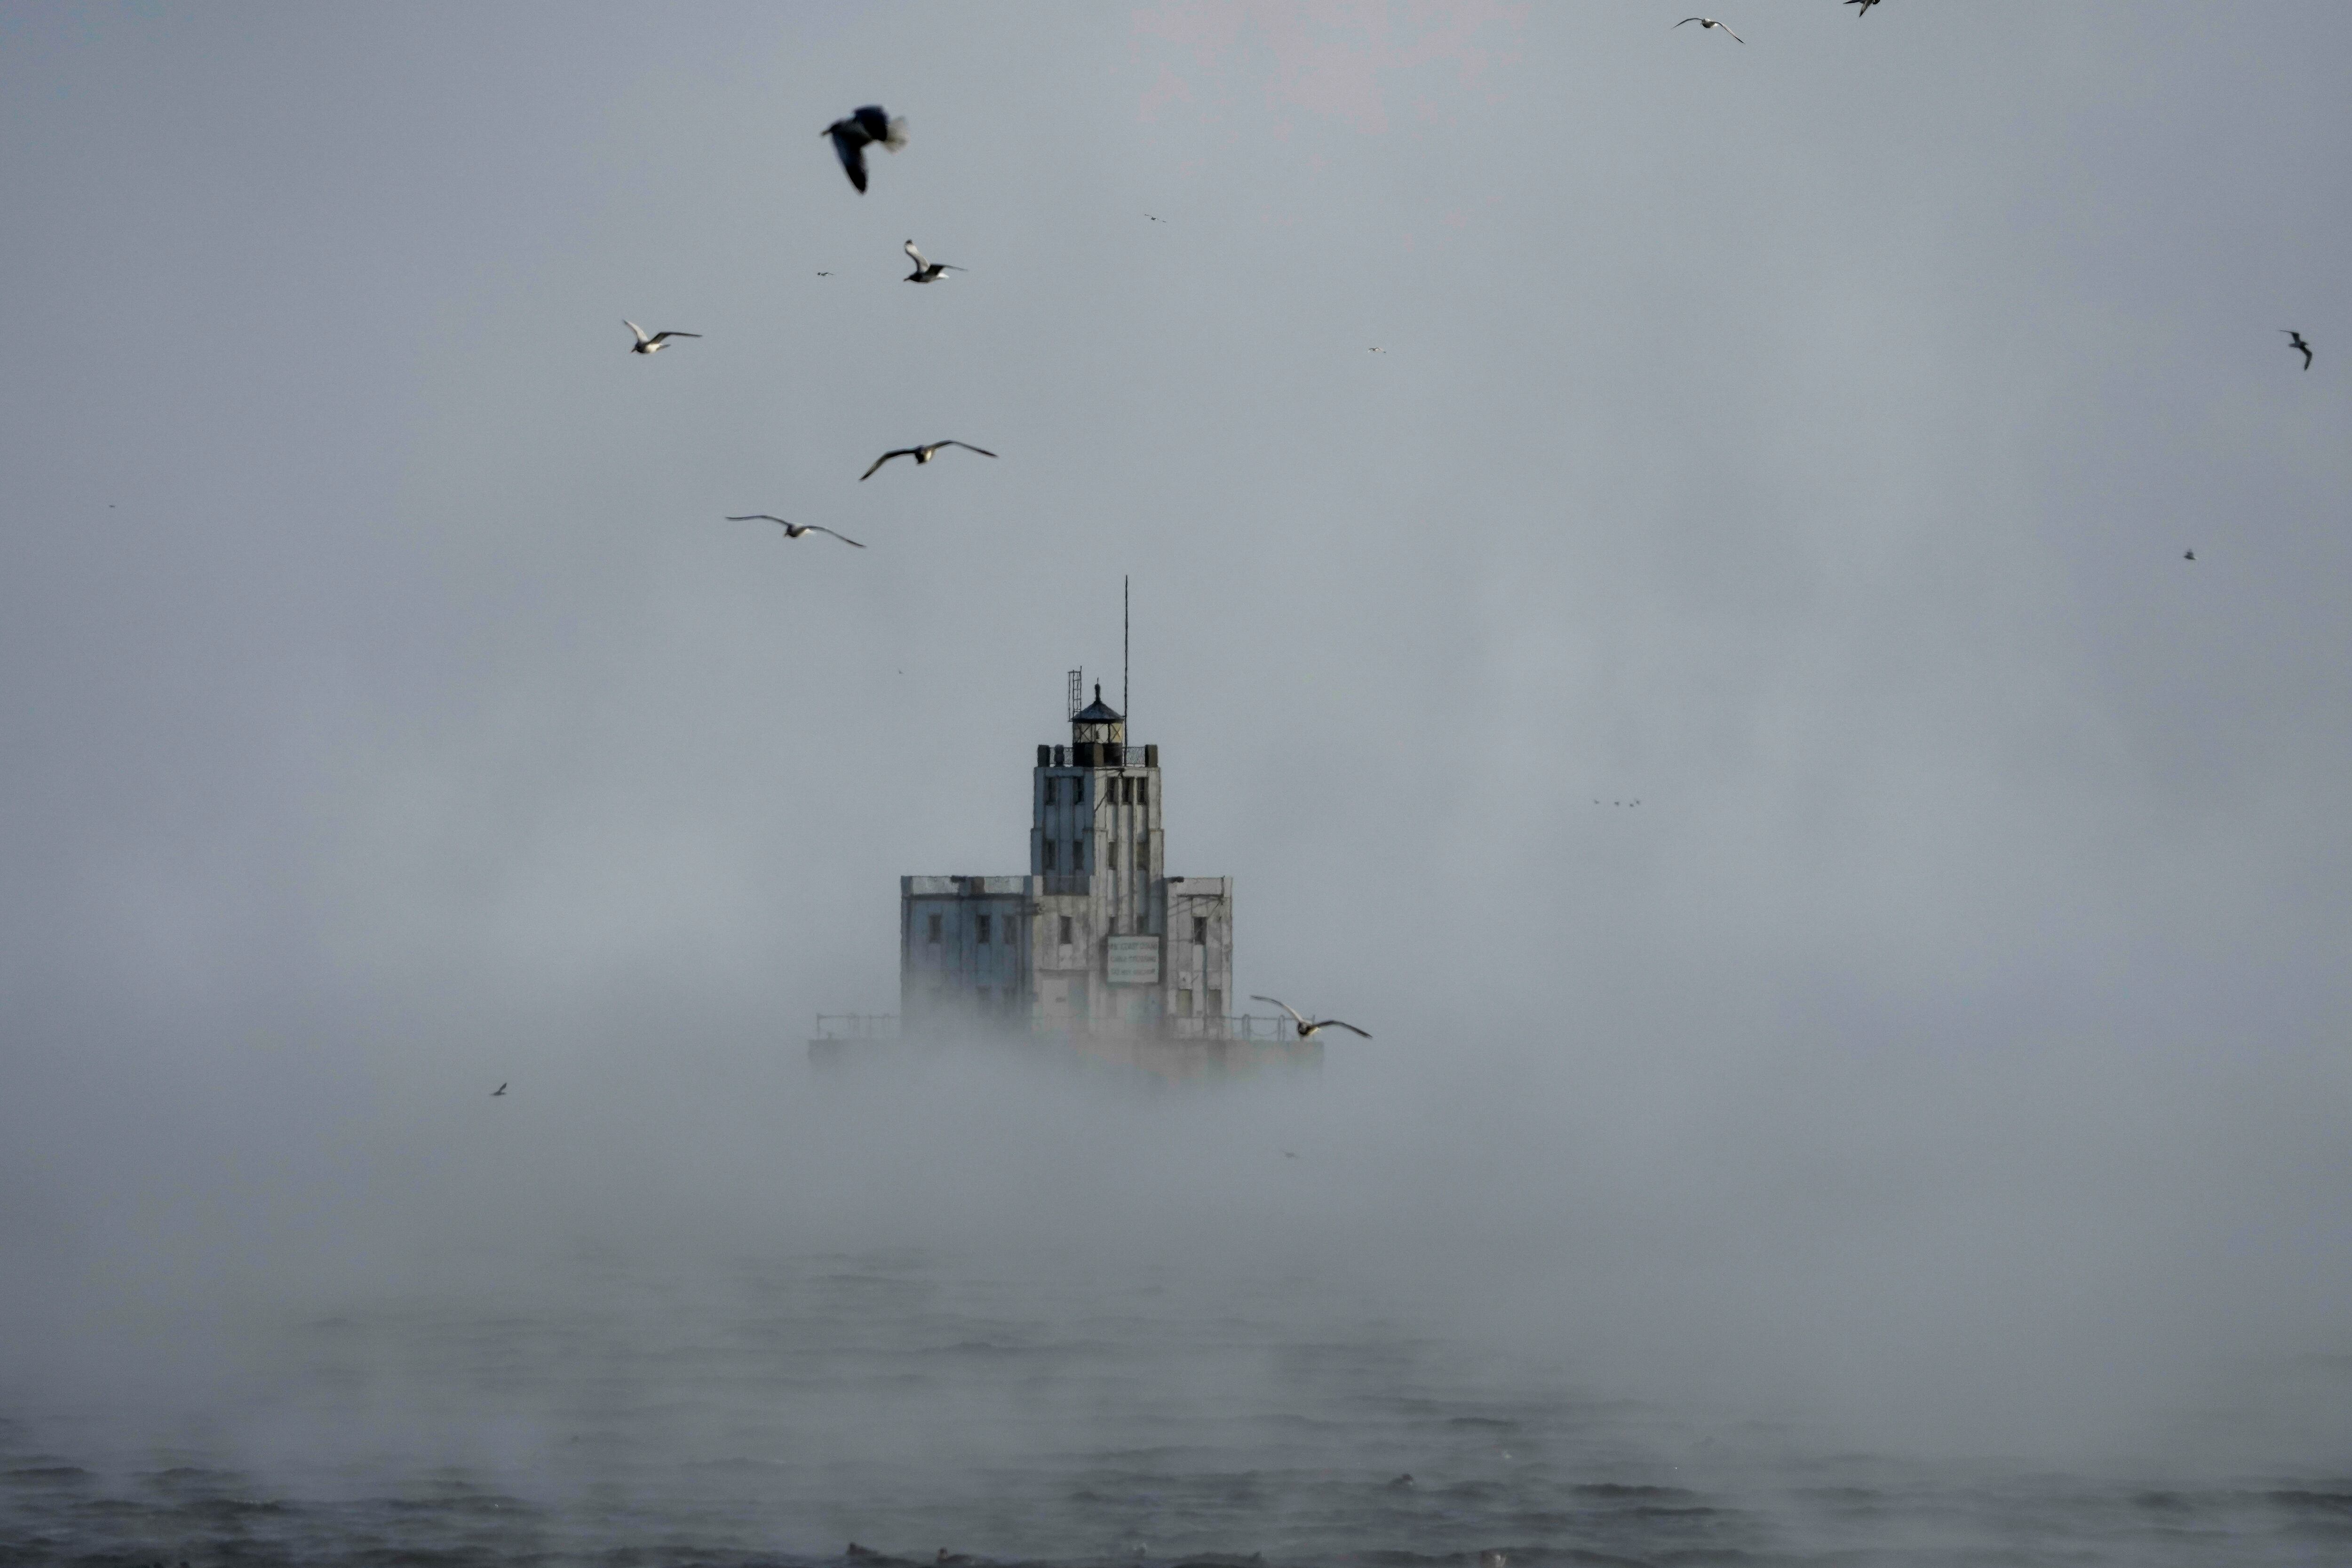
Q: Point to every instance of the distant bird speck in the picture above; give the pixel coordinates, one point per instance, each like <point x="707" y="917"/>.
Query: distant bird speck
<point x="1155" y="220"/>
<point x="1308" y="1027"/>
<point x="1288" y="1155"/>
<point x="792" y="529"/>
<point x="2294" y="341"/>
<point x="1706" y="22"/>
<point x="1865" y="5"/>
<point x="653" y="344"/>
<point x="922" y="455"/>
<point x="498" y="1092"/>
<point x="2188" y="555"/>
<point x="828" y="275"/>
<point x="1376" y="349"/>
<point x="926" y="271"/>
<point x="852" y="133"/>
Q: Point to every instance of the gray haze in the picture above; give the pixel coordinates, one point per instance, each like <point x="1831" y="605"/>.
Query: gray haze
<point x="1801" y="437"/>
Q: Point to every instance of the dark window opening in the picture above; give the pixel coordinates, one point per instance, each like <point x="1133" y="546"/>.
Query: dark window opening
<point x="984" y="929"/>
<point x="931" y="928"/>
<point x="1143" y="792"/>
<point x="1127" y="791"/>
<point x="1050" y="847"/>
<point x="1200" y="931"/>
<point x="1065" y="930"/>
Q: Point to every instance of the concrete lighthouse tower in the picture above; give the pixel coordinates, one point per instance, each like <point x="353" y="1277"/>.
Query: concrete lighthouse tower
<point x="1097" y="945"/>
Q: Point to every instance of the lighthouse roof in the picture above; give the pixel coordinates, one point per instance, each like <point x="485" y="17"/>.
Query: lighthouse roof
<point x="1096" y="713"/>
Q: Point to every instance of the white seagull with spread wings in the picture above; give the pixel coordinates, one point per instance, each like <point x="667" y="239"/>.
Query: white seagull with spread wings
<point x="652" y="343"/>
<point x="926" y="271"/>
<point x="1308" y="1027"/>
<point x="922" y="455"/>
<point x="1706" y="22"/>
<point x="792" y="529"/>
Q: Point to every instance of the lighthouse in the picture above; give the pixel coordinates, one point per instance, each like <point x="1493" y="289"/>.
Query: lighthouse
<point x="1098" y="945"/>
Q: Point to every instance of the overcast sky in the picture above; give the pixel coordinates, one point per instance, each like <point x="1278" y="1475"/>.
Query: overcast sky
<point x="1801" y="437"/>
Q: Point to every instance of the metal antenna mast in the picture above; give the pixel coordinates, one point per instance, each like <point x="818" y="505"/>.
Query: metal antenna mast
<point x="1077" y="687"/>
<point x="1122" y="649"/>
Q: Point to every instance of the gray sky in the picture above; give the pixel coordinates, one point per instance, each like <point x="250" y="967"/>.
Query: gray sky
<point x="1801" y="437"/>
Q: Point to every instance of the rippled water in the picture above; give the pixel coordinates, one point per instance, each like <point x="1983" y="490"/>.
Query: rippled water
<point x="778" y="1412"/>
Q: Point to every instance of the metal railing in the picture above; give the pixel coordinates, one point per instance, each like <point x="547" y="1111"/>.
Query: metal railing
<point x="856" y="1026"/>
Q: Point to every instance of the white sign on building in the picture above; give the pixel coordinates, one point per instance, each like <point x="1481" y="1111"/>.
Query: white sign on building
<point x="1134" y="961"/>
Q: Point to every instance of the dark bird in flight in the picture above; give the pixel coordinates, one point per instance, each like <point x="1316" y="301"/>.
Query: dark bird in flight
<point x="655" y="342"/>
<point x="926" y="271"/>
<point x="498" y="1092"/>
<point x="2294" y="341"/>
<point x="1288" y="1154"/>
<point x="1706" y="22"/>
<point x="850" y="136"/>
<point x="2188" y="555"/>
<point x="1865" y="5"/>
<point x="1308" y="1027"/>
<point x="1155" y="220"/>
<point x="826" y="275"/>
<point x="922" y="455"/>
<point x="792" y="529"/>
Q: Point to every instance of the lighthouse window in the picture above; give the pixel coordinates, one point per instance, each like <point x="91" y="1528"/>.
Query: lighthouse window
<point x="931" y="929"/>
<point x="1143" y="792"/>
<point x="1200" y="931"/>
<point x="984" y="929"/>
<point x="1127" y="791"/>
<point x="1050" y="847"/>
<point x="1053" y="791"/>
<point x="1065" y="930"/>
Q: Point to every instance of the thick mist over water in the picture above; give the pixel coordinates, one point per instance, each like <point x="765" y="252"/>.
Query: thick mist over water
<point x="1943" y="1062"/>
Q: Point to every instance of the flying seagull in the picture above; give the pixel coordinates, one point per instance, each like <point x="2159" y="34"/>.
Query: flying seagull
<point x="498" y="1092"/>
<point x="1307" y="1027"/>
<point x="2294" y="341"/>
<point x="1865" y="5"/>
<point x="792" y="529"/>
<point x="2188" y="555"/>
<point x="926" y="271"/>
<point x="922" y="455"/>
<point x="850" y="136"/>
<point x="1705" y="23"/>
<point x="653" y="344"/>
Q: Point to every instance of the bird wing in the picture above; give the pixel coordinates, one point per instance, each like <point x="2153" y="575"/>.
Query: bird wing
<point x="1281" y="1004"/>
<point x="842" y="537"/>
<point x="1336" y="1024"/>
<point x="872" y="120"/>
<point x="1736" y="39"/>
<point x="636" y="329"/>
<point x="967" y="447"/>
<point x="1687" y="20"/>
<point x="901" y="452"/>
<point x="759" y="517"/>
<point x="665" y="337"/>
<point x="916" y="254"/>
<point x="853" y="159"/>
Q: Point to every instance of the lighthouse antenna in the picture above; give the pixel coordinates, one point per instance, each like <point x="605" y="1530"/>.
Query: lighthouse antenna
<point x="1122" y="650"/>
